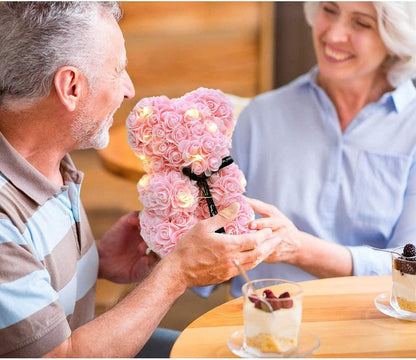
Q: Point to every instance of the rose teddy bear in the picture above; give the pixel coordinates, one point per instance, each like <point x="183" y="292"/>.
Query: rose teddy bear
<point x="184" y="147"/>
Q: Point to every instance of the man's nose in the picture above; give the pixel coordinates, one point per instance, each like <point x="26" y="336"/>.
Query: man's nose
<point x="128" y="87"/>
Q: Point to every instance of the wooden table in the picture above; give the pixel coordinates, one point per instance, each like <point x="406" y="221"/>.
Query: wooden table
<point x="118" y="157"/>
<point x="340" y="311"/>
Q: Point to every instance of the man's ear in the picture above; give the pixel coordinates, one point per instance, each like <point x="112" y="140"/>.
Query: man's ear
<point x="68" y="83"/>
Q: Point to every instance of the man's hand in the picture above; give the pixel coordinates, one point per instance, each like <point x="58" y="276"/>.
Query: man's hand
<point x="122" y="252"/>
<point x="204" y="257"/>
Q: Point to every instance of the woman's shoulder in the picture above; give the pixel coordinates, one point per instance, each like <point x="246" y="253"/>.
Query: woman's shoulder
<point x="286" y="93"/>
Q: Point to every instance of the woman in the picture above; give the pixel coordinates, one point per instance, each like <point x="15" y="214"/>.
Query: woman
<point x="334" y="150"/>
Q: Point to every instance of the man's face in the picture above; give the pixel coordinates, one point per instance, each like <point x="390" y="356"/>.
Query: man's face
<point x="112" y="86"/>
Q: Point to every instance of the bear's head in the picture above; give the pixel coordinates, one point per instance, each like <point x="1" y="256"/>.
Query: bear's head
<point x="193" y="131"/>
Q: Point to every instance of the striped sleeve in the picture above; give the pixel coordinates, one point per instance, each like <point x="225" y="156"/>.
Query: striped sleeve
<point x="32" y="320"/>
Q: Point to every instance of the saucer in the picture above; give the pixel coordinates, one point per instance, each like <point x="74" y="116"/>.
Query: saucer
<point x="382" y="302"/>
<point x="308" y="344"/>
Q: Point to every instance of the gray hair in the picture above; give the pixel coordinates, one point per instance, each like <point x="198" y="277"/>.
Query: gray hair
<point x="37" y="38"/>
<point x="397" y="27"/>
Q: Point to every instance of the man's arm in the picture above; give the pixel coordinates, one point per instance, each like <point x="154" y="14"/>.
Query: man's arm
<point x="201" y="257"/>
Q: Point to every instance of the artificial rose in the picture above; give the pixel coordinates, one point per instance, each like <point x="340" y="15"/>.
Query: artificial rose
<point x="193" y="132"/>
<point x="178" y="134"/>
<point x="172" y="119"/>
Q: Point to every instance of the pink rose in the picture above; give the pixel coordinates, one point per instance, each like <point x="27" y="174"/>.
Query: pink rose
<point x="177" y="134"/>
<point x="174" y="157"/>
<point x="193" y="131"/>
<point x="172" y="119"/>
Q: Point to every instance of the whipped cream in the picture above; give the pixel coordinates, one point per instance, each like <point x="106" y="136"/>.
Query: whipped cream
<point x="282" y="323"/>
<point x="404" y="285"/>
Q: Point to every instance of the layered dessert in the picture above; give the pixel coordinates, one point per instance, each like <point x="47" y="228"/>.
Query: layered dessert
<point x="272" y="325"/>
<point x="404" y="279"/>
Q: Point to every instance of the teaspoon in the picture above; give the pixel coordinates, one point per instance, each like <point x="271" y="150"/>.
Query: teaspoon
<point x="251" y="286"/>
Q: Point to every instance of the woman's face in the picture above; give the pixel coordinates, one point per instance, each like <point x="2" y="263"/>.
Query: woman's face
<point x="347" y="42"/>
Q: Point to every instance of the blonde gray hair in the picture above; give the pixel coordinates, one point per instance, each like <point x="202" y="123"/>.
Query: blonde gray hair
<point x="37" y="38"/>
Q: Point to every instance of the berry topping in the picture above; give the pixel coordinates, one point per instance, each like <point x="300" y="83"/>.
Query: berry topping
<point x="409" y="250"/>
<point x="275" y="302"/>
<point x="286" y="304"/>
<point x="272" y="299"/>
<point x="254" y="299"/>
<point x="269" y="294"/>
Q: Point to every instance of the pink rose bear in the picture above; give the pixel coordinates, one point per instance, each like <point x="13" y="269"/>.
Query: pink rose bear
<point x="184" y="146"/>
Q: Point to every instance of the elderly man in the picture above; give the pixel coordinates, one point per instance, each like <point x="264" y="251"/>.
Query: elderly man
<point x="62" y="77"/>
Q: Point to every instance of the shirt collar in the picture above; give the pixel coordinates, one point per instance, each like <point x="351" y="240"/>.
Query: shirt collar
<point x="400" y="96"/>
<point x="403" y="95"/>
<point x="29" y="180"/>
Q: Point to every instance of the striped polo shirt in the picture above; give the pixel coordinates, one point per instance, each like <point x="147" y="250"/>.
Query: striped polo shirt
<point x="48" y="257"/>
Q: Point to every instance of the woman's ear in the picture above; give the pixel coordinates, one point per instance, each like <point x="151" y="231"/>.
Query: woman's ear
<point x="68" y="85"/>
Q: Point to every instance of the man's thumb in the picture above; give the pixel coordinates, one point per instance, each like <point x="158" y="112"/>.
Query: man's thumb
<point x="224" y="217"/>
<point x="230" y="212"/>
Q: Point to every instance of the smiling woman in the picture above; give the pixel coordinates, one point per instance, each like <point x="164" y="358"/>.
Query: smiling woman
<point x="316" y="148"/>
<point x="393" y="22"/>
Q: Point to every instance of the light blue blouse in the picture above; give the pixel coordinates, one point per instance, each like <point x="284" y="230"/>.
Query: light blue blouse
<point x="354" y="187"/>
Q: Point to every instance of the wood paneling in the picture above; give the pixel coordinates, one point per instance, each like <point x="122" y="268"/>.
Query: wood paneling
<point x="294" y="53"/>
<point x="176" y="47"/>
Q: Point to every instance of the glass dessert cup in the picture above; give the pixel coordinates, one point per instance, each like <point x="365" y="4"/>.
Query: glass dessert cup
<point x="272" y="331"/>
<point x="403" y="293"/>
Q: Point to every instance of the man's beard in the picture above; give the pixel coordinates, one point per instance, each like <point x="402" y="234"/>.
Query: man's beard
<point x="84" y="132"/>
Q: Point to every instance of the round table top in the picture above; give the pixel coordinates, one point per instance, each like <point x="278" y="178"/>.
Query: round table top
<point x="340" y="311"/>
<point x="119" y="158"/>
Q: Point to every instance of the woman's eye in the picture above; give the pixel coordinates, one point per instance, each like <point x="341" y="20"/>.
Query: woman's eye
<point x="363" y="25"/>
<point x="329" y="10"/>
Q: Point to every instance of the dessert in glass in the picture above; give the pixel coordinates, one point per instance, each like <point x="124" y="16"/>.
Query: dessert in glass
<point x="403" y="295"/>
<point x="272" y="323"/>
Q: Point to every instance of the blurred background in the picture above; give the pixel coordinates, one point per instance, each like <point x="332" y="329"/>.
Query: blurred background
<point x="242" y="48"/>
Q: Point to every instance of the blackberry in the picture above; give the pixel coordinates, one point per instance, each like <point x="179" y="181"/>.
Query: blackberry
<point x="409" y="250"/>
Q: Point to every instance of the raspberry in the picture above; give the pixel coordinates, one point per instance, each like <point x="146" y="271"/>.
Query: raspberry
<point x="409" y="250"/>
<point x="272" y="299"/>
<point x="286" y="304"/>
<point x="256" y="301"/>
<point x="268" y="293"/>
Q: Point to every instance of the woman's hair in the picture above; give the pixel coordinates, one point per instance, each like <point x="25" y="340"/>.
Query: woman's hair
<point x="37" y="38"/>
<point x="397" y="27"/>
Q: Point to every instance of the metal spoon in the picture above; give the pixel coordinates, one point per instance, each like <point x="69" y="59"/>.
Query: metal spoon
<point x="251" y="286"/>
<point x="384" y="250"/>
<point x="410" y="258"/>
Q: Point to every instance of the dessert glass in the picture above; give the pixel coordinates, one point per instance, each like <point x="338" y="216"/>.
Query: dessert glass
<point x="272" y="333"/>
<point x="403" y="293"/>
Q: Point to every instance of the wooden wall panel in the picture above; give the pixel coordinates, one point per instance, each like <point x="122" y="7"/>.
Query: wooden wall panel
<point x="175" y="47"/>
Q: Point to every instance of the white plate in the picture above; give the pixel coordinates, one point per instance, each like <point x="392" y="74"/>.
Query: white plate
<point x="308" y="344"/>
<point x="382" y="302"/>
